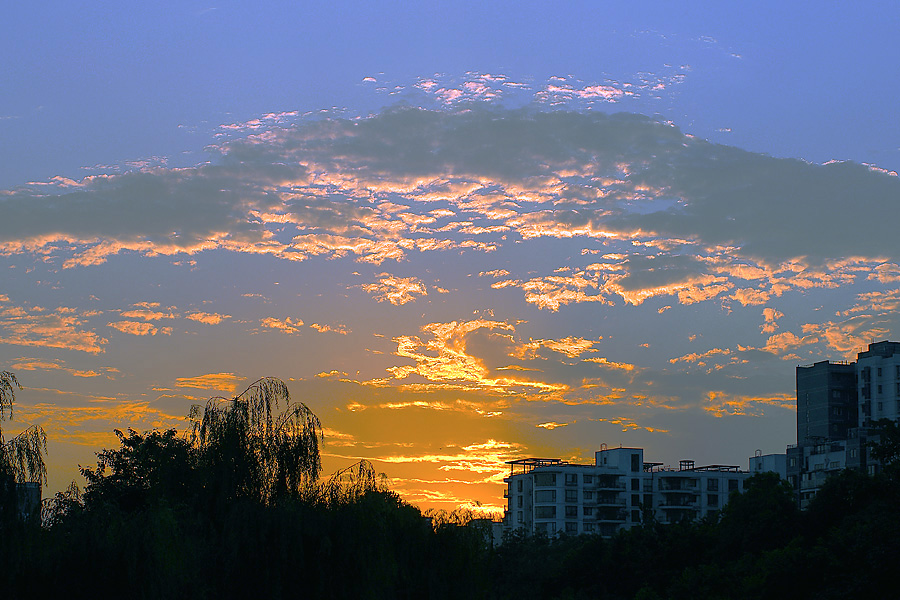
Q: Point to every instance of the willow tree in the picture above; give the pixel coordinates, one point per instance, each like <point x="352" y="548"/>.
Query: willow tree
<point x="22" y="457"/>
<point x="259" y="444"/>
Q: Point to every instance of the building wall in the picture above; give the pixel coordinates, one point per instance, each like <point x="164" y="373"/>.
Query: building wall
<point x="878" y="374"/>
<point x="612" y="494"/>
<point x="826" y="401"/>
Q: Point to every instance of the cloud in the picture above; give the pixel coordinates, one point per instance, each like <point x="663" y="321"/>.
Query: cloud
<point x="681" y="217"/>
<point x="287" y="325"/>
<point x="207" y="318"/>
<point x="396" y="290"/>
<point x="148" y="315"/>
<point x="211" y="381"/>
<point x="33" y="364"/>
<point x="36" y="326"/>
<point x="139" y="328"/>
<point x="335" y="328"/>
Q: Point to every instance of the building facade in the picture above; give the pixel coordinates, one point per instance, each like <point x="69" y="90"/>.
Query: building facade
<point x="837" y="404"/>
<point x="617" y="492"/>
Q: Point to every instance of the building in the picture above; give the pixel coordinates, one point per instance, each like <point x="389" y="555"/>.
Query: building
<point x="549" y="495"/>
<point x="776" y="463"/>
<point x="878" y="378"/>
<point x="837" y="404"/>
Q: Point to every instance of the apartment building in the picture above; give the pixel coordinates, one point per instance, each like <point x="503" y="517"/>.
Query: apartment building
<point x="837" y="403"/>
<point x="549" y="495"/>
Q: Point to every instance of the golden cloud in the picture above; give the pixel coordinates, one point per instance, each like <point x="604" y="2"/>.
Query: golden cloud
<point x="207" y="318"/>
<point x="288" y="325"/>
<point x="211" y="381"/>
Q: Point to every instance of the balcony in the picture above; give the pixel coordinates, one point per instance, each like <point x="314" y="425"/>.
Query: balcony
<point x="680" y="505"/>
<point x="678" y="485"/>
<point x="610" y="516"/>
<point x="610" y="485"/>
<point x="609" y="502"/>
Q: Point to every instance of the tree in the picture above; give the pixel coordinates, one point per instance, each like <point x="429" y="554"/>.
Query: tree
<point x="147" y="468"/>
<point x="886" y="446"/>
<point x="258" y="445"/>
<point x="22" y="457"/>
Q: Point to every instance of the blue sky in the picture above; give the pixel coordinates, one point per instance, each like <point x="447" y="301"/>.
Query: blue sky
<point x="426" y="220"/>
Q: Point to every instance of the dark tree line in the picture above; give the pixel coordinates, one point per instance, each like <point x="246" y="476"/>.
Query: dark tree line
<point x="238" y="508"/>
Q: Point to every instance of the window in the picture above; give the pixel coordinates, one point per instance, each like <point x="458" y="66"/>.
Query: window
<point x="587" y="479"/>
<point x="571" y="495"/>
<point x="572" y="528"/>
<point x="571" y="478"/>
<point x="588" y="527"/>
<point x="545" y="512"/>
<point x="588" y="495"/>
<point x="712" y="485"/>
<point x="712" y="500"/>
<point x="519" y="485"/>
<point x="879" y="371"/>
<point x="588" y="511"/>
<point x="521" y="501"/>
<point x="519" y="517"/>
<point x="733" y="485"/>
<point x="545" y="479"/>
<point x="545" y="496"/>
<point x="835" y="394"/>
<point x="879" y="391"/>
<point x="793" y="463"/>
<point x="635" y="485"/>
<point x="571" y="512"/>
<point x="854" y="452"/>
<point x="648" y="500"/>
<point x="635" y="516"/>
<point x="635" y="499"/>
<point x="635" y="463"/>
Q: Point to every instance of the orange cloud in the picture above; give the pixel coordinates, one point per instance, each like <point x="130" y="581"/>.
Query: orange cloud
<point x="139" y="328"/>
<point x="211" y="381"/>
<point x="287" y="325"/>
<point x="60" y="328"/>
<point x="33" y="364"/>
<point x="396" y="290"/>
<point x="207" y="318"/>
<point x="148" y="315"/>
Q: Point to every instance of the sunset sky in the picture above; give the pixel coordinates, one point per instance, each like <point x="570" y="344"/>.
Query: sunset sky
<point x="463" y="233"/>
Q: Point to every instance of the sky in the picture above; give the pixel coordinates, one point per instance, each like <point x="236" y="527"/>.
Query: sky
<point x="463" y="233"/>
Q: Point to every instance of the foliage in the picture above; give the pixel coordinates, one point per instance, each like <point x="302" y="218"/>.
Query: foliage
<point x="21" y="458"/>
<point x="258" y="445"/>
<point x="145" y="522"/>
<point x="147" y="468"/>
<point x="885" y="448"/>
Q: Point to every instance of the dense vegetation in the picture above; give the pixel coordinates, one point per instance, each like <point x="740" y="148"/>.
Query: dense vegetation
<point x="238" y="509"/>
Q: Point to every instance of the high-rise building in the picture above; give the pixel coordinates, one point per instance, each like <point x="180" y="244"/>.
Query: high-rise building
<point x="878" y="370"/>
<point x="826" y="401"/>
<point x="837" y="404"/>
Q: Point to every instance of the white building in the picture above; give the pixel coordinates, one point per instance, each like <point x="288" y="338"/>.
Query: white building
<point x="552" y="495"/>
<point x="878" y="378"/>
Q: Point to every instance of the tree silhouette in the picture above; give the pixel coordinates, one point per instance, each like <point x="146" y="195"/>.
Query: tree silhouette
<point x="258" y="445"/>
<point x="22" y="457"/>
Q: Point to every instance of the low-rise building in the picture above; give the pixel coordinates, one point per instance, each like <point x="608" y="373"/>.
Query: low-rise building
<point x="617" y="492"/>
